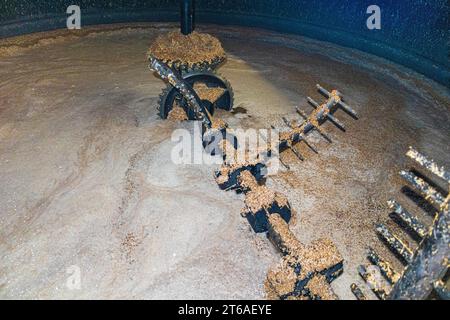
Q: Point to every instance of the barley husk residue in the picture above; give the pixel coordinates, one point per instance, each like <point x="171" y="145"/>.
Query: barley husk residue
<point x="217" y="123"/>
<point x="280" y="281"/>
<point x="320" y="255"/>
<point x="177" y="113"/>
<point x="313" y="260"/>
<point x="262" y="198"/>
<point x="282" y="236"/>
<point x="247" y="180"/>
<point x="192" y="49"/>
<point x="320" y="289"/>
<point x="208" y="93"/>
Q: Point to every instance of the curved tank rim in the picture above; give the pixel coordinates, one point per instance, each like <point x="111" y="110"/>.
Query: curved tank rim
<point x="47" y="22"/>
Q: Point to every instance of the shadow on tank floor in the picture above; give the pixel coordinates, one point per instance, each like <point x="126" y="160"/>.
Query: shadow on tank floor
<point x="86" y="178"/>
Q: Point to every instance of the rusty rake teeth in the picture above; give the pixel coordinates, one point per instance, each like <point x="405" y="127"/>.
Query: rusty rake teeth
<point x="301" y="113"/>
<point x="330" y="117"/>
<point x="395" y="243"/>
<point x="312" y="102"/>
<point x="429" y="192"/>
<point x="324" y="111"/>
<point x="302" y="138"/>
<point x="312" y="124"/>
<point x="358" y="292"/>
<point x="323" y="134"/>
<point x="298" y="130"/>
<point x="338" y="124"/>
<point x="310" y="146"/>
<point x="295" y="151"/>
<point x="385" y="267"/>
<point x="408" y="219"/>
<point x="427" y="265"/>
<point x="336" y="97"/>
<point x="287" y="166"/>
<point x="287" y="122"/>
<point x="374" y="280"/>
<point x="429" y="165"/>
<point x="297" y="154"/>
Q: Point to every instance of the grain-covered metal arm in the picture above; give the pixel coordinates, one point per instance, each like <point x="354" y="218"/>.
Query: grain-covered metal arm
<point x="394" y="242"/>
<point x="429" y="264"/>
<point x="188" y="93"/>
<point x="408" y="219"/>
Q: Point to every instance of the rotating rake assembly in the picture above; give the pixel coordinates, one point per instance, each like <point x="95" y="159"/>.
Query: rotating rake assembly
<point x="426" y="274"/>
<point x="322" y="112"/>
<point x="212" y="89"/>
<point x="227" y="176"/>
<point x="305" y="272"/>
<point x="195" y="58"/>
<point x="194" y="103"/>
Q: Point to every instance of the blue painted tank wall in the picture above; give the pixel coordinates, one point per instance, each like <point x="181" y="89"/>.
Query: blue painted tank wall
<point x="414" y="33"/>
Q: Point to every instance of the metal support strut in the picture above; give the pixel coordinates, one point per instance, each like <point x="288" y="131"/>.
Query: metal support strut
<point x="187" y="16"/>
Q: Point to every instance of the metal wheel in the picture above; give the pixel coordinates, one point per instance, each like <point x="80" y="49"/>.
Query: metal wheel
<point x="171" y="96"/>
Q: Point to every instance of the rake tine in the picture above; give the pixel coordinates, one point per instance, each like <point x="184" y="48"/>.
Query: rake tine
<point x="301" y="113"/>
<point x="357" y="292"/>
<point x="323" y="91"/>
<point x="339" y="124"/>
<point x="411" y="221"/>
<point x="298" y="155"/>
<point x="288" y="167"/>
<point x="286" y="121"/>
<point x="374" y="283"/>
<point x="395" y="243"/>
<point x="386" y="269"/>
<point x="428" y="164"/>
<point x="284" y="164"/>
<point x="347" y="108"/>
<point x="312" y="102"/>
<point x="310" y="146"/>
<point x="430" y="193"/>
<point x="323" y="134"/>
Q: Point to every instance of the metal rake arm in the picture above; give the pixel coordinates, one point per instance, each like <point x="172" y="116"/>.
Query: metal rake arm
<point x="188" y="93"/>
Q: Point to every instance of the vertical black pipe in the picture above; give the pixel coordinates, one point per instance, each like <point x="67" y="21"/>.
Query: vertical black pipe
<point x="187" y="16"/>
